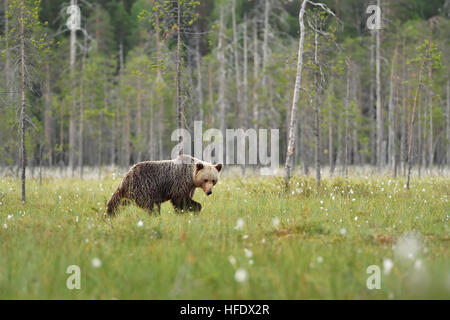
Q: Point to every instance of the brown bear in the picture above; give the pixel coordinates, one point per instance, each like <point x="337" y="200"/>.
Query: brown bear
<point x="154" y="182"/>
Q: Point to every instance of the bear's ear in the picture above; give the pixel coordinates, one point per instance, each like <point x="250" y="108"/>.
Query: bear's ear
<point x="199" y="166"/>
<point x="219" y="166"/>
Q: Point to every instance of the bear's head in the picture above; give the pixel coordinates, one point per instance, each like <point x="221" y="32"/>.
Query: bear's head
<point x="206" y="176"/>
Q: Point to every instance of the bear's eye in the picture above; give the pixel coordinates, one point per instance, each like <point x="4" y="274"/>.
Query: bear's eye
<point x="206" y="180"/>
<point x="214" y="181"/>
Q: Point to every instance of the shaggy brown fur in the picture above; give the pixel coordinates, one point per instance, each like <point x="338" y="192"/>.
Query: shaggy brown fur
<point x="154" y="182"/>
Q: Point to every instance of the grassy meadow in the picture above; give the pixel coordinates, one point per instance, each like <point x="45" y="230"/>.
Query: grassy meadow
<point x="251" y="241"/>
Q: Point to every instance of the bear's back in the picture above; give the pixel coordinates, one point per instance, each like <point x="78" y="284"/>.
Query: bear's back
<point x="162" y="180"/>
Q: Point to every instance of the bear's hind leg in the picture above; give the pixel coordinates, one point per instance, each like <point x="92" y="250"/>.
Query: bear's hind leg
<point x="147" y="206"/>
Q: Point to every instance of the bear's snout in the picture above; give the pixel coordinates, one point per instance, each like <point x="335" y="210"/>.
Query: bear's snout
<point x="209" y="192"/>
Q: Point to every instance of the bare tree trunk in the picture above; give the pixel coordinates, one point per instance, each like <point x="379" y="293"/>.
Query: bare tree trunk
<point x="236" y="64"/>
<point x="210" y="95"/>
<point x="298" y="85"/>
<point x="81" y="124"/>
<point x="317" y="108"/>
<point x="116" y="155"/>
<point x="448" y="123"/>
<point x="330" y="136"/>
<point x="158" y="54"/>
<point x="255" y="75"/>
<point x="72" y="129"/>
<point x="411" y="125"/>
<point x="199" y="88"/>
<point x="347" y="103"/>
<point x="372" y="112"/>
<point x="47" y="114"/>
<point x="391" y="116"/>
<point x="159" y="80"/>
<point x="7" y="57"/>
<point x="245" y="100"/>
<point x="23" y="155"/>
<point x="221" y="59"/>
<point x="265" y="41"/>
<point x="179" y="104"/>
<point x="430" y="112"/>
<point x="139" y="137"/>
<point x="380" y="161"/>
<point x="127" y="135"/>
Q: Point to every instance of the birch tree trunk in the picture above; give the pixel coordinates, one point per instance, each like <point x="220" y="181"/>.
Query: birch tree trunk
<point x="72" y="129"/>
<point x="255" y="75"/>
<point x="298" y="85"/>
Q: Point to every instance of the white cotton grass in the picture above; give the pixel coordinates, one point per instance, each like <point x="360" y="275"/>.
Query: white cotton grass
<point x="276" y="222"/>
<point x="241" y="275"/>
<point x="387" y="266"/>
<point x="232" y="260"/>
<point x="140" y="223"/>
<point x="343" y="231"/>
<point x="96" y="263"/>
<point x="239" y="224"/>
<point x="248" y="253"/>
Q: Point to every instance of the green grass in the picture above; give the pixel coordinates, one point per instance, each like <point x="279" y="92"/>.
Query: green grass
<point x="320" y="249"/>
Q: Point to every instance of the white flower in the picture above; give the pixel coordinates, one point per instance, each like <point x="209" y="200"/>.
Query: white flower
<point x="5" y="226"/>
<point x="140" y="223"/>
<point x="353" y="200"/>
<point x="10" y="216"/>
<point x="239" y="224"/>
<point x="387" y="266"/>
<point x="263" y="240"/>
<point x="356" y="218"/>
<point x="245" y="236"/>
<point x="343" y="231"/>
<point x="248" y="253"/>
<point x="319" y="259"/>
<point x="276" y="221"/>
<point x="240" y="275"/>
<point x="232" y="260"/>
<point x="250" y="262"/>
<point x="76" y="219"/>
<point x="96" y="263"/>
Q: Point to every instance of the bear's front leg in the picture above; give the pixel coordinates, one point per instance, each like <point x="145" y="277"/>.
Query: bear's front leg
<point x="186" y="204"/>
